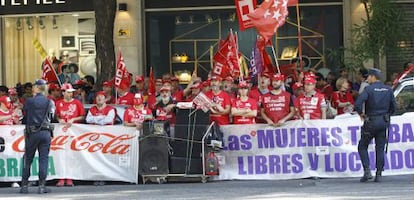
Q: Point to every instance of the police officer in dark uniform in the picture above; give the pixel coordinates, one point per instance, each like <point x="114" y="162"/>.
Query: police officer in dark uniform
<point x="379" y="105"/>
<point x="38" y="132"/>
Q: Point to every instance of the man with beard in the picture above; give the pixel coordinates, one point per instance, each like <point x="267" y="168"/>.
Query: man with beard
<point x="165" y="108"/>
<point x="257" y="93"/>
<point x="68" y="111"/>
<point x="277" y="105"/>
<point x="244" y="108"/>
<point x="311" y="104"/>
<point x="220" y="102"/>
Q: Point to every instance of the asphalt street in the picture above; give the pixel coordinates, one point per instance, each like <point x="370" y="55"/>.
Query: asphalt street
<point x="393" y="187"/>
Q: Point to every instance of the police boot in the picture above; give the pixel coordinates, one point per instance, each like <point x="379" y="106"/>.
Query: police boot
<point x="24" y="188"/>
<point x="378" y="176"/>
<point x="367" y="176"/>
<point x="42" y="187"/>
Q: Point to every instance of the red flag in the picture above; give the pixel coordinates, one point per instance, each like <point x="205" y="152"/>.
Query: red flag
<point x="226" y="59"/>
<point x="152" y="99"/>
<point x="244" y="7"/>
<point x="122" y="76"/>
<point x="49" y="73"/>
<point x="270" y="15"/>
<point x="292" y="2"/>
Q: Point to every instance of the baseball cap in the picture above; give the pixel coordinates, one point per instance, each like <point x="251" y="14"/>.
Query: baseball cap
<point x="278" y="77"/>
<point x="53" y="86"/>
<point x="243" y="84"/>
<point x="67" y="87"/>
<point x="101" y="93"/>
<point x="296" y="86"/>
<point x="107" y="84"/>
<point x="164" y="88"/>
<point x="265" y="74"/>
<point x="138" y="99"/>
<point x="375" y="72"/>
<point x="12" y="91"/>
<point x="216" y="78"/>
<point x="139" y="79"/>
<point x="40" y="82"/>
<point x="229" y="78"/>
<point x="310" y="80"/>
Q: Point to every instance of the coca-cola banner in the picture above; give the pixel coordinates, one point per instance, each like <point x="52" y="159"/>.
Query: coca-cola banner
<point x="81" y="152"/>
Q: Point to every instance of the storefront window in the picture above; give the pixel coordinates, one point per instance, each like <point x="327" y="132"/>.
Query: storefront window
<point x="191" y="33"/>
<point x="67" y="38"/>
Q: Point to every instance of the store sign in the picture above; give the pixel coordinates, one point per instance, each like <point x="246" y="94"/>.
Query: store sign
<point x="13" y="7"/>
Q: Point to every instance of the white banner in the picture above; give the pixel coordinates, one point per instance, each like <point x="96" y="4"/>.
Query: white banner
<point x="81" y="152"/>
<point x="311" y="148"/>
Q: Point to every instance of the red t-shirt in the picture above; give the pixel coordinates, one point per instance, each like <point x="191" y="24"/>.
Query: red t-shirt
<point x="327" y="90"/>
<point x="277" y="106"/>
<point x="257" y="95"/>
<point x="310" y="107"/>
<point x="178" y="96"/>
<point x="9" y="121"/>
<point x="126" y="99"/>
<point x="68" y="110"/>
<point x="223" y="99"/>
<point x="132" y="115"/>
<point x="249" y="104"/>
<point x="339" y="97"/>
<point x="103" y="112"/>
<point x="162" y="115"/>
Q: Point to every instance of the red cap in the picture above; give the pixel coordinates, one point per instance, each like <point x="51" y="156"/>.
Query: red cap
<point x="12" y="91"/>
<point x="265" y="74"/>
<point x="206" y="83"/>
<point x="166" y="81"/>
<point x="6" y="100"/>
<point x="229" y="78"/>
<point x="278" y="77"/>
<point x="196" y="86"/>
<point x="158" y="80"/>
<point x="101" y="93"/>
<point x="309" y="80"/>
<point x="53" y="86"/>
<point x="107" y="84"/>
<point x="297" y="85"/>
<point x="67" y="87"/>
<point x="216" y="78"/>
<point x="139" y="79"/>
<point x="79" y="82"/>
<point x="243" y="84"/>
<point x="164" y="88"/>
<point x="174" y="78"/>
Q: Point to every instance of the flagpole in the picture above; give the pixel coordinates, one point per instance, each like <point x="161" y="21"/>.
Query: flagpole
<point x="299" y="37"/>
<point x="275" y="57"/>
<point x="241" y="72"/>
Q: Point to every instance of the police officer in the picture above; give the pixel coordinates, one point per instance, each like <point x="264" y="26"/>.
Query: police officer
<point x="39" y="111"/>
<point x="379" y="105"/>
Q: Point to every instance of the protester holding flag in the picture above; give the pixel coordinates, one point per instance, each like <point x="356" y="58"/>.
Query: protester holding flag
<point x="310" y="105"/>
<point x="277" y="105"/>
<point x="244" y="108"/>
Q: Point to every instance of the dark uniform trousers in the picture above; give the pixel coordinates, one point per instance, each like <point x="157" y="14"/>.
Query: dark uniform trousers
<point x="40" y="141"/>
<point x="374" y="127"/>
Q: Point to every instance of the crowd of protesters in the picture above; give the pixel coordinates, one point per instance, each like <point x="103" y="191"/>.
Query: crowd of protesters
<point x="273" y="99"/>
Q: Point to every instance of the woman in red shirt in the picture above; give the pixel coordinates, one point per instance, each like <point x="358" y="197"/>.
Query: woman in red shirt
<point x="244" y="108"/>
<point x="342" y="99"/>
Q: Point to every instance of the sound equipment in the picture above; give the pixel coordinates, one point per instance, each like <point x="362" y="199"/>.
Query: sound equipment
<point x="155" y="128"/>
<point x="153" y="155"/>
<point x="198" y="117"/>
<point x="178" y="165"/>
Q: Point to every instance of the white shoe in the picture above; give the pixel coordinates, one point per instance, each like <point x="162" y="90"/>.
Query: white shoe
<point x="15" y="185"/>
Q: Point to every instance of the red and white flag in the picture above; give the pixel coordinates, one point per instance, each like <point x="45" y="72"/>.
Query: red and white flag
<point x="244" y="7"/>
<point x="226" y="59"/>
<point x="122" y="77"/>
<point x="49" y="73"/>
<point x="270" y="15"/>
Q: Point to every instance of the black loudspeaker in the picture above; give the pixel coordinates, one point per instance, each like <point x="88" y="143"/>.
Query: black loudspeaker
<point x="153" y="155"/>
<point x="198" y="117"/>
<point x="178" y="165"/>
<point x="155" y="128"/>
